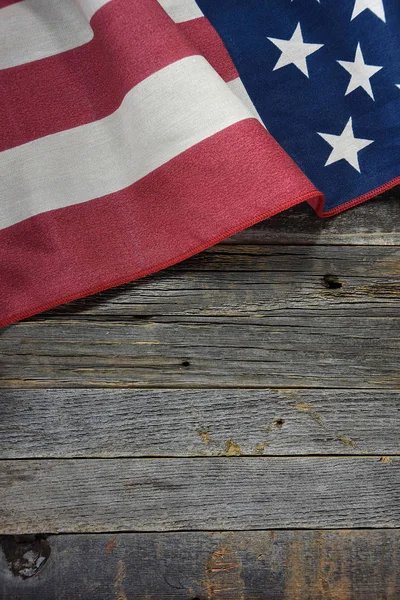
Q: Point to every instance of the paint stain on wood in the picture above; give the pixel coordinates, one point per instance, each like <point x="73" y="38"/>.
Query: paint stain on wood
<point x="232" y="448"/>
<point x="386" y="459"/>
<point x="296" y="583"/>
<point x="223" y="575"/>
<point x="332" y="581"/>
<point x="303" y="406"/>
<point x="393" y="584"/>
<point x="346" y="440"/>
<point x="316" y="569"/>
<point x="110" y="545"/>
<point x="316" y="417"/>
<point x="205" y="437"/>
<point x="306" y="407"/>
<point x="260" y="447"/>
<point x="343" y="439"/>
<point x="118" y="581"/>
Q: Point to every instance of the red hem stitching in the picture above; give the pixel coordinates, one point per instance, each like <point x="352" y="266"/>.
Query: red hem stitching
<point x="319" y="209"/>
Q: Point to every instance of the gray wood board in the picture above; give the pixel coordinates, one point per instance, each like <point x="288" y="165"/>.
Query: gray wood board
<point x="285" y="351"/>
<point x="135" y="423"/>
<point x="257" y="281"/>
<point x="156" y="494"/>
<point x="256" y="565"/>
<point x="373" y="222"/>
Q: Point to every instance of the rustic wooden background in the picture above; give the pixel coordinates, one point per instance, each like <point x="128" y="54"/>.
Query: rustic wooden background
<point x="226" y="429"/>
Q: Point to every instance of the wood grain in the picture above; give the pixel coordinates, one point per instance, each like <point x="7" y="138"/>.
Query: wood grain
<point x="135" y="423"/>
<point x="290" y="333"/>
<point x="235" y="316"/>
<point x="286" y="351"/>
<point x="374" y="222"/>
<point x="256" y="281"/>
<point x="88" y="495"/>
<point x="261" y="565"/>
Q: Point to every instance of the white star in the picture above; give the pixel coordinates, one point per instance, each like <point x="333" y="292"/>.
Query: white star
<point x="360" y="73"/>
<point x="345" y="146"/>
<point x="398" y="85"/>
<point x="294" y="51"/>
<point x="375" y="5"/>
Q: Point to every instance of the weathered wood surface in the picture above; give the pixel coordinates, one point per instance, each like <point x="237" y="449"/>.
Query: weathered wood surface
<point x="261" y="565"/>
<point x="374" y="222"/>
<point x="256" y="282"/>
<point x="234" y="316"/>
<point x="135" y="423"/>
<point x="304" y="306"/>
<point x="286" y="351"/>
<point x="156" y="494"/>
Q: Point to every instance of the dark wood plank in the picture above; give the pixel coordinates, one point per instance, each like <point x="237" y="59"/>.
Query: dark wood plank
<point x="374" y="222"/>
<point x="135" y="423"/>
<point x="254" y="281"/>
<point x="286" y="351"/>
<point x="261" y="565"/>
<point x="155" y="494"/>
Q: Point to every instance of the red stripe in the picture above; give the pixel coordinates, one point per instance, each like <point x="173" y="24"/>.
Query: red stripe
<point x="132" y="40"/>
<point x="204" y="37"/>
<point x="226" y="183"/>
<point x="4" y="3"/>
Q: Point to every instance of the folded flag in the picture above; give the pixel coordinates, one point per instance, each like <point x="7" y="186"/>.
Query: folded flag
<point x="136" y="133"/>
<point x="325" y="78"/>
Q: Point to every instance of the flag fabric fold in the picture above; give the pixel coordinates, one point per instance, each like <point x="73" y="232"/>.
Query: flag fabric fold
<point x="325" y="79"/>
<point x="130" y="140"/>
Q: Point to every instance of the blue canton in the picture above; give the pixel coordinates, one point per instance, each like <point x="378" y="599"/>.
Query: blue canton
<point x="324" y="76"/>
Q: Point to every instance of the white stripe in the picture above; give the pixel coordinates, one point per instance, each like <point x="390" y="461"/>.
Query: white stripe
<point x="35" y="29"/>
<point x="167" y="113"/>
<point x="181" y="10"/>
<point x="238" y="88"/>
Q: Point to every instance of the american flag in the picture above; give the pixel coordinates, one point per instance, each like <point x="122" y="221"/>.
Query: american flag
<point x="136" y="133"/>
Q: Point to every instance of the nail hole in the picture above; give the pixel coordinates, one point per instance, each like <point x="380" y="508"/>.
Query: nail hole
<point x="279" y="422"/>
<point x="332" y="282"/>
<point x="185" y="363"/>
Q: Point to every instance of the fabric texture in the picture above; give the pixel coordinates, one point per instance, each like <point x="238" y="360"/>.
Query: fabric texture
<point x="136" y="133"/>
<point x="324" y="77"/>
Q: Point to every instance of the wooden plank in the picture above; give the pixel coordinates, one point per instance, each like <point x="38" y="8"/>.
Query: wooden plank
<point x="88" y="495"/>
<point x="307" y="309"/>
<point x="286" y="351"/>
<point x="136" y="423"/>
<point x="261" y="565"/>
<point x="249" y="281"/>
<point x="374" y="222"/>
